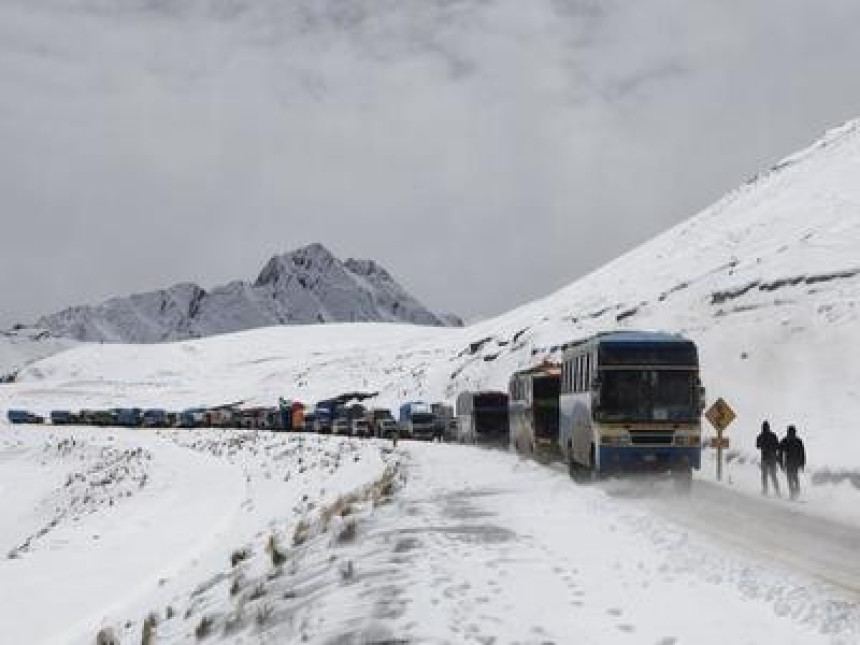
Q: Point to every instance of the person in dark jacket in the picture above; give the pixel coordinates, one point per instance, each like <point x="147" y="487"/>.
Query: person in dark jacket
<point x="792" y="456"/>
<point x="768" y="444"/>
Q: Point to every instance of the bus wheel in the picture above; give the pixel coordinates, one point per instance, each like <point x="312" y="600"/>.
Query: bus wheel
<point x="593" y="473"/>
<point x="573" y="468"/>
<point x="682" y="481"/>
<point x="577" y="472"/>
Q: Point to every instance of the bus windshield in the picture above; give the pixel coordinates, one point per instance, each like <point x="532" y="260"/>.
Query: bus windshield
<point x="648" y="395"/>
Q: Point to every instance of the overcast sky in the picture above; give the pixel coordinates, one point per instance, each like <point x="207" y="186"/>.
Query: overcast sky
<point x="486" y="152"/>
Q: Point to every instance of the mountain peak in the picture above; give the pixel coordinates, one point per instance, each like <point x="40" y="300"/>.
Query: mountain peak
<point x="305" y="286"/>
<point x="310" y="258"/>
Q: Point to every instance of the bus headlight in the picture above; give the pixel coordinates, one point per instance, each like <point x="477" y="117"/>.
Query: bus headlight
<point x="687" y="440"/>
<point x="615" y="440"/>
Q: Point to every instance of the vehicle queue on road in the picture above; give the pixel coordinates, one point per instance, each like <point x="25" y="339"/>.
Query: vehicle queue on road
<point x="615" y="402"/>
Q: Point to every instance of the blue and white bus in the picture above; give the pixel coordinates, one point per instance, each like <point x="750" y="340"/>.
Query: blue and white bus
<point x="631" y="401"/>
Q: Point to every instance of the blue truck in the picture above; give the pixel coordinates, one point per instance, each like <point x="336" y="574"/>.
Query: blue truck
<point x="418" y="421"/>
<point x="23" y="416"/>
<point x="62" y="418"/>
<point x="155" y="418"/>
<point x="324" y="416"/>
<point x="129" y="417"/>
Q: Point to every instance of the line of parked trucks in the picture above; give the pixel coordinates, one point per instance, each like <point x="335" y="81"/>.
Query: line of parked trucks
<point x="617" y="401"/>
<point x="340" y="416"/>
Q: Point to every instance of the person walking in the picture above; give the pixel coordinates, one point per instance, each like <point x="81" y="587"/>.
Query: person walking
<point x="792" y="455"/>
<point x="768" y="444"/>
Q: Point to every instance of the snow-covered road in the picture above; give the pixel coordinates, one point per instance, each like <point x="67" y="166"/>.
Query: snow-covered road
<point x="496" y="549"/>
<point x="470" y="546"/>
<point x="773" y="529"/>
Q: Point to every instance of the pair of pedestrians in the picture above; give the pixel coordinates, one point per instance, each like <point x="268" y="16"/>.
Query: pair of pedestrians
<point x="789" y="454"/>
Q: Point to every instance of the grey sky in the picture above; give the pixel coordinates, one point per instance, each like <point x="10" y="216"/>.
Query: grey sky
<point x="485" y="151"/>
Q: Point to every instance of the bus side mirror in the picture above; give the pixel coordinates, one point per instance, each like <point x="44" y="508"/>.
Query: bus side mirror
<point x="702" y="398"/>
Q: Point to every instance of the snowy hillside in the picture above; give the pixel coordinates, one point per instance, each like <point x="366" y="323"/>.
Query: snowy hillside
<point x="308" y="285"/>
<point x="190" y="536"/>
<point x="20" y="347"/>
<point x="767" y="281"/>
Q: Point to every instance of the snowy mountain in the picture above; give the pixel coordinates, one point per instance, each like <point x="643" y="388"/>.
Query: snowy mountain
<point x="308" y="285"/>
<point x="766" y="281"/>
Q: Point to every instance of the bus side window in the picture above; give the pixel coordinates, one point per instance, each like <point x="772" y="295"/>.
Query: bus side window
<point x="587" y="372"/>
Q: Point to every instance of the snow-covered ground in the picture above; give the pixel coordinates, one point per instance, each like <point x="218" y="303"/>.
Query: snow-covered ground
<point x="244" y="537"/>
<point x="20" y="347"/>
<point x="98" y="524"/>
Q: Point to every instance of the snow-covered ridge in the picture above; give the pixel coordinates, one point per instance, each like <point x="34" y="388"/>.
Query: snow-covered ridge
<point x="765" y="281"/>
<point x="22" y="346"/>
<point x="306" y="286"/>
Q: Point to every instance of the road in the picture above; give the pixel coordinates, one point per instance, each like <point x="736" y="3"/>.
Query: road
<point x="773" y="529"/>
<point x="484" y="547"/>
<point x="474" y="546"/>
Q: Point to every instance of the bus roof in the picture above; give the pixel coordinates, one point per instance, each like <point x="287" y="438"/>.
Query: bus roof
<point x="640" y="337"/>
<point x="625" y="337"/>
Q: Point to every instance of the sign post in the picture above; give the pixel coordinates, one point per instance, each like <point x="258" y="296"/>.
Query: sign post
<point x="720" y="415"/>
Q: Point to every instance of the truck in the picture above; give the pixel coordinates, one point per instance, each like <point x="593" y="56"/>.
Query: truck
<point x="446" y="426"/>
<point x="380" y="421"/>
<point x="417" y="420"/>
<point x="62" y="418"/>
<point x="155" y="418"/>
<point x="129" y="417"/>
<point x="324" y="414"/>
<point x="23" y="416"/>
<point x="191" y="418"/>
<point x="483" y="418"/>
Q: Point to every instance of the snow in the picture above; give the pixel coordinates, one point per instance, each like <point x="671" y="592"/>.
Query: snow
<point x="21" y="347"/>
<point x="173" y="511"/>
<point x="425" y="543"/>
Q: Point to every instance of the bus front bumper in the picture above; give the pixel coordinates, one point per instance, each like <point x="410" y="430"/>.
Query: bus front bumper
<point x="649" y="458"/>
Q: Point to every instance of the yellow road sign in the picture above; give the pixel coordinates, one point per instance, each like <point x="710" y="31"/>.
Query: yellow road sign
<point x="720" y="415"/>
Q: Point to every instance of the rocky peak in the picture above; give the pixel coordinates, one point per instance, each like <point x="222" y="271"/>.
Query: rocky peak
<point x="313" y="259"/>
<point x="306" y="286"/>
<point x="367" y="269"/>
